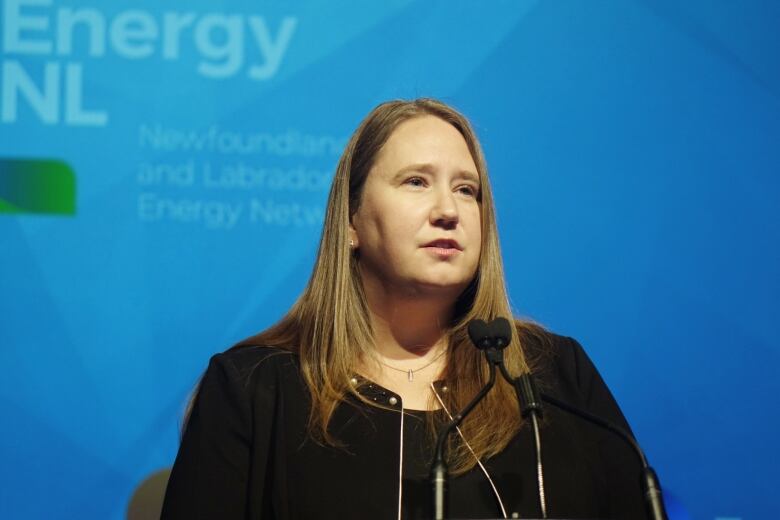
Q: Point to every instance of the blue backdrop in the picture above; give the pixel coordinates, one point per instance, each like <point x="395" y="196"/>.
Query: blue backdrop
<point x="633" y="147"/>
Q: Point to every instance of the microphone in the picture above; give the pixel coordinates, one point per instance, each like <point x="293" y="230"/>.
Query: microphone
<point x="484" y="338"/>
<point x="502" y="332"/>
<point x="480" y="334"/>
<point x="651" y="486"/>
<point x="527" y="397"/>
<point x="493" y="338"/>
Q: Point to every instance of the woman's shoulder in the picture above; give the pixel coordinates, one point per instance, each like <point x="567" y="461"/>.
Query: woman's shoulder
<point x="247" y="360"/>
<point x="542" y="345"/>
<point x="556" y="358"/>
<point x="562" y="366"/>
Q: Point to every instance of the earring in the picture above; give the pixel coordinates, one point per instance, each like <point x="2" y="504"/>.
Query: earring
<point x="351" y="243"/>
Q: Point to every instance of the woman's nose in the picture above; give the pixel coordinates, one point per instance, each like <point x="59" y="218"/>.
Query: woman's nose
<point x="444" y="212"/>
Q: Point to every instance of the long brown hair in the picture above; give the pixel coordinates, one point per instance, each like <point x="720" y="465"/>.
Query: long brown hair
<point x="329" y="326"/>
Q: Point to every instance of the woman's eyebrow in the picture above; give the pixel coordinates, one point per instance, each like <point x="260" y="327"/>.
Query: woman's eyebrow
<point x="468" y="175"/>
<point x="419" y="167"/>
<point x="431" y="169"/>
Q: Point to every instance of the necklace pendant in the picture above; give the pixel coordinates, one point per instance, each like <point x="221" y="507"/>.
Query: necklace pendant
<point x="411" y="375"/>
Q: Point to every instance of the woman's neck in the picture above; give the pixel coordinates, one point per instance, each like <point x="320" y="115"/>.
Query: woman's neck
<point x="411" y="336"/>
<point x="410" y="350"/>
<point x="408" y="327"/>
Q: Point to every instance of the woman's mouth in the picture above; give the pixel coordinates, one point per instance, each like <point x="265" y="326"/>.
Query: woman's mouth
<point x="443" y="247"/>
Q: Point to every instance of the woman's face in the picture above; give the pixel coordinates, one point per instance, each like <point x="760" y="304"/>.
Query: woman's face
<point x="418" y="224"/>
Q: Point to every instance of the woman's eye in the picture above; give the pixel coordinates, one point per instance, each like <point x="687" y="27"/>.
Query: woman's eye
<point x="468" y="190"/>
<point x="415" y="181"/>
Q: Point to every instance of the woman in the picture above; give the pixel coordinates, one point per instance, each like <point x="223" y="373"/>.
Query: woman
<point x="331" y="413"/>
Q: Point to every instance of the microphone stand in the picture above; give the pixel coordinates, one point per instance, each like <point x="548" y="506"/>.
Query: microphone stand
<point x="530" y="404"/>
<point x="650" y="484"/>
<point x="530" y="407"/>
<point x="439" y="466"/>
<point x="492" y="339"/>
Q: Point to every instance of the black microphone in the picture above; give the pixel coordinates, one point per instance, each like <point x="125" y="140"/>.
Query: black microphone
<point x="502" y="332"/>
<point x="482" y="336"/>
<point x="650" y="483"/>
<point x="530" y="400"/>
<point x="527" y="396"/>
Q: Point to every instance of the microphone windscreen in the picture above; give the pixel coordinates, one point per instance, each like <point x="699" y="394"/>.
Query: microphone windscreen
<point x="480" y="335"/>
<point x="501" y="330"/>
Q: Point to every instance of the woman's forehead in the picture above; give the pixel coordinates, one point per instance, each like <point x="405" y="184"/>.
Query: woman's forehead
<point x="426" y="144"/>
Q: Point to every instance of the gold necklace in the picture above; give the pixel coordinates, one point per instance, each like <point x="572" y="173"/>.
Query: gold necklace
<point x="410" y="372"/>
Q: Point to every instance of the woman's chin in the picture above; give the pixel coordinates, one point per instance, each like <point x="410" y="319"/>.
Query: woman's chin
<point x="439" y="286"/>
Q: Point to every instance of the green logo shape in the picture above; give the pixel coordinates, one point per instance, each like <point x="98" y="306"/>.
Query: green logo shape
<point x="37" y="186"/>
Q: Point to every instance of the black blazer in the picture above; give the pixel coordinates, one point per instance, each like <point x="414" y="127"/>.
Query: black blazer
<point x="245" y="453"/>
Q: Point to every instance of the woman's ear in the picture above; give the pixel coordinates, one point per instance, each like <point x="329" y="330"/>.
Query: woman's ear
<point x="353" y="238"/>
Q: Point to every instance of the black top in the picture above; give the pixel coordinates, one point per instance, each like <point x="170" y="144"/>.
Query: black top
<point x="245" y="452"/>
